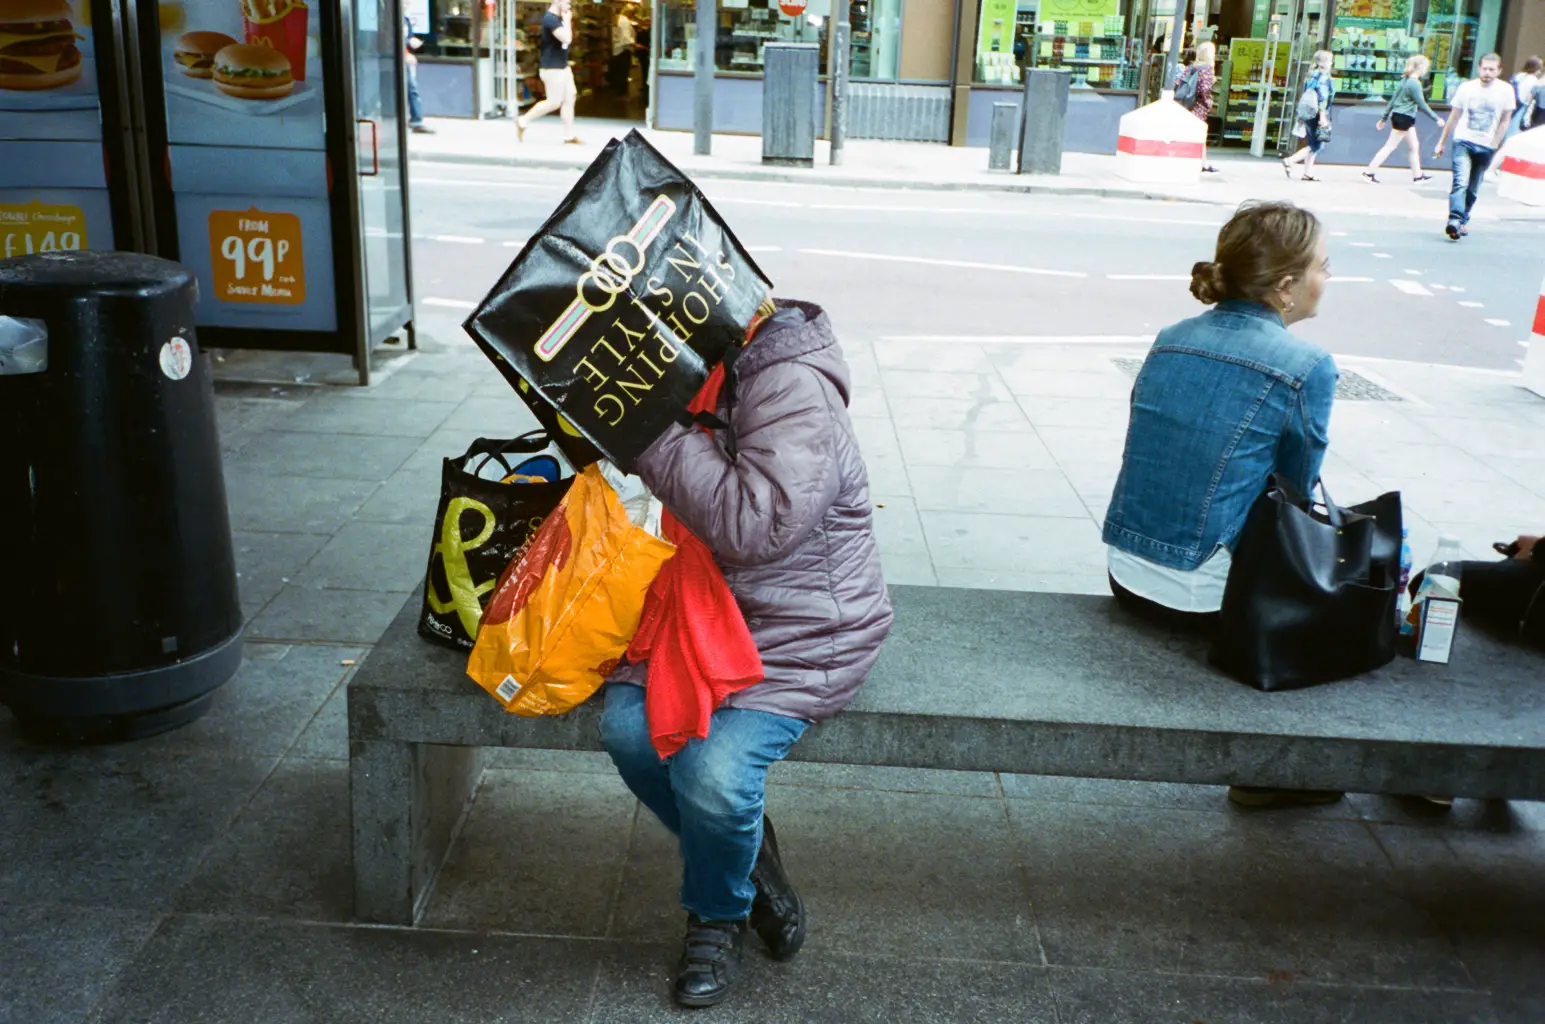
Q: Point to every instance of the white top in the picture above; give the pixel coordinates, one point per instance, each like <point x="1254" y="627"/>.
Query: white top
<point x="623" y="36"/>
<point x="1199" y="590"/>
<point x="1478" y="109"/>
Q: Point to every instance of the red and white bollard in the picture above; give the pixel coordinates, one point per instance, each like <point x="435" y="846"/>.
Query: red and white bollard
<point x="1162" y="142"/>
<point x="1522" y="174"/>
<point x="1534" y="361"/>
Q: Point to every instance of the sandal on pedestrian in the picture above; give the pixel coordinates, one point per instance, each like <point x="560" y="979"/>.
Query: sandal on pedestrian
<point x="1307" y="177"/>
<point x="573" y="140"/>
<point x="1421" y="177"/>
<point x="1287" y="169"/>
<point x="1371" y="177"/>
<point x="1209" y="170"/>
<point x="520" y="131"/>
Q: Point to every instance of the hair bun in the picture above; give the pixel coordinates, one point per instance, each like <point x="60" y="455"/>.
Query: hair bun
<point x="1207" y="282"/>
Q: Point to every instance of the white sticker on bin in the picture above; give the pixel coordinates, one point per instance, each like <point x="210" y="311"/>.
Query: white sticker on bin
<point x="176" y="359"/>
<point x="507" y="689"/>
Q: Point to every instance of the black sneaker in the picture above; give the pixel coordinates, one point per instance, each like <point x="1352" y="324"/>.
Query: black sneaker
<point x="1453" y="230"/>
<point x="710" y="961"/>
<point x="777" y="912"/>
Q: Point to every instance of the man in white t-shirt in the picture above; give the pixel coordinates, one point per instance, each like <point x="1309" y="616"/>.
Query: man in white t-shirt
<point x="1478" y="120"/>
<point x="624" y="41"/>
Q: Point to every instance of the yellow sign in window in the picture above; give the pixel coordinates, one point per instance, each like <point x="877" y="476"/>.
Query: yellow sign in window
<point x="257" y="257"/>
<point x="26" y="228"/>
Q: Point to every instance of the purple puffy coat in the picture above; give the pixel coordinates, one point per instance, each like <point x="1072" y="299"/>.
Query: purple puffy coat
<point x="789" y="522"/>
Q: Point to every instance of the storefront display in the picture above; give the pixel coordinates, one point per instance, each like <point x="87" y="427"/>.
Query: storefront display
<point x="1248" y="80"/>
<point x="745" y="29"/>
<point x="1373" y="39"/>
<point x="1091" y="39"/>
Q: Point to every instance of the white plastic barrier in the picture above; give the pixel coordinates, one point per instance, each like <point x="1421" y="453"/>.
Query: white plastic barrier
<point x="1162" y="143"/>
<point x="1534" y="361"/>
<point x="1522" y="174"/>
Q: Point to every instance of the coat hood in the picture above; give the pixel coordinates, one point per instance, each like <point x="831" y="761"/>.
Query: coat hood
<point x="798" y="332"/>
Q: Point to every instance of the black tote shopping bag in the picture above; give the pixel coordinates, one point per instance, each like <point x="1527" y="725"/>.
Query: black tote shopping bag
<point x="616" y="310"/>
<point x="479" y="527"/>
<point x="1311" y="592"/>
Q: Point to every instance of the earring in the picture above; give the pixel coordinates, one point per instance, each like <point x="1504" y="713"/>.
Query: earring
<point x="1287" y="307"/>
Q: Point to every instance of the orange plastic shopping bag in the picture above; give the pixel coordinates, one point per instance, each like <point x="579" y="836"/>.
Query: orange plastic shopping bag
<point x="569" y="604"/>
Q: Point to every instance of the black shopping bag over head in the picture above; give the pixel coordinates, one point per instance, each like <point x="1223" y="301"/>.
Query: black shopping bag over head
<point x="616" y="310"/>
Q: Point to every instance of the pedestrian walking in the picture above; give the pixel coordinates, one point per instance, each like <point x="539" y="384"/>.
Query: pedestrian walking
<point x="557" y="76"/>
<point x="1400" y="112"/>
<point x="1524" y="84"/>
<point x="411" y="42"/>
<point x="1478" y="120"/>
<point x="1194" y="86"/>
<point x="624" y="41"/>
<point x="779" y="495"/>
<point x="1223" y="401"/>
<point x="1313" y="113"/>
<point x="1533" y="113"/>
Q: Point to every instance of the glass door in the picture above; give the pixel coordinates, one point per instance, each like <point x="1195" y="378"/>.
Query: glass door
<point x="380" y="68"/>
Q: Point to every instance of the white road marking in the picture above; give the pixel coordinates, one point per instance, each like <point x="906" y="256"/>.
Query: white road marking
<point x="1525" y="344"/>
<point x="515" y="243"/>
<point x="1472" y="305"/>
<point x="1338" y="234"/>
<point x="448" y="303"/>
<point x="1025" y="339"/>
<point x="1351" y="280"/>
<point x="1363" y="245"/>
<point x="481" y="183"/>
<point x="764" y="248"/>
<point x="757" y="202"/>
<point x="1455" y="288"/>
<point x="1438" y="287"/>
<point x="925" y="261"/>
<point x="1498" y="323"/>
<point x="1414" y="273"/>
<point x="1410" y="287"/>
<point x="1382" y="256"/>
<point x="457" y="239"/>
<point x="1147" y="277"/>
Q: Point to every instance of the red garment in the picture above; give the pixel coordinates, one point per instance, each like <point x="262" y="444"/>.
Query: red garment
<point x="692" y="632"/>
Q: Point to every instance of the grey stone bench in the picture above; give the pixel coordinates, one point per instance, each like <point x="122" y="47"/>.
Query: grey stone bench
<point x="1041" y="684"/>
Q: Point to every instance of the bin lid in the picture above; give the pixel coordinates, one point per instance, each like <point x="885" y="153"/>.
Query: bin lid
<point x="117" y="274"/>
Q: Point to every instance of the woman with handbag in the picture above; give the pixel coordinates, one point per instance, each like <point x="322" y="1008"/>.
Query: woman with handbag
<point x="1194" y="86"/>
<point x="1223" y="401"/>
<point x="1313" y="114"/>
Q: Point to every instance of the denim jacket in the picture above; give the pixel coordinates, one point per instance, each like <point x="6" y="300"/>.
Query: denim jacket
<point x="1223" y="400"/>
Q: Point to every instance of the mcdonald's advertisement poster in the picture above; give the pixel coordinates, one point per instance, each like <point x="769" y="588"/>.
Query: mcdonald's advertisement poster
<point x="616" y="310"/>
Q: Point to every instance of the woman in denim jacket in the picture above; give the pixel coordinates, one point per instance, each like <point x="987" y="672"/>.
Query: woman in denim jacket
<point x="1223" y="400"/>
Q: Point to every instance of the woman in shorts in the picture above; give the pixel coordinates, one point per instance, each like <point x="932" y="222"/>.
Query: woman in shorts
<point x="1400" y="112"/>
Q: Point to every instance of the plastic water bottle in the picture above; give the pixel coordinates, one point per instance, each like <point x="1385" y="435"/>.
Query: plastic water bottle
<point x="1403" y="599"/>
<point x="1440" y="588"/>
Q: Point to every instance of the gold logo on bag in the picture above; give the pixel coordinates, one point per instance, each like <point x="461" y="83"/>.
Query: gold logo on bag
<point x="609" y="274"/>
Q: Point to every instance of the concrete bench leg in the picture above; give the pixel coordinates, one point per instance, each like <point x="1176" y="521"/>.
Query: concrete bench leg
<point x="407" y="801"/>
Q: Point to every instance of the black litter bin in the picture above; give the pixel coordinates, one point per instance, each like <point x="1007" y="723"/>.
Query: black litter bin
<point x="119" y="615"/>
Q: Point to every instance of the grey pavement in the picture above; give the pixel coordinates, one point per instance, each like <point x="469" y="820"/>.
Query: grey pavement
<point x="204" y="876"/>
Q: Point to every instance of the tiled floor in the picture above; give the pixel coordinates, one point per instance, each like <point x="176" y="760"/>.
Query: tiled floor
<point x="204" y="876"/>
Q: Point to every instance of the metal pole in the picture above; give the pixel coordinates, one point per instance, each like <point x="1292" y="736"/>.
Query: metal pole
<point x="1172" y="64"/>
<point x="702" y="77"/>
<point x="837" y="64"/>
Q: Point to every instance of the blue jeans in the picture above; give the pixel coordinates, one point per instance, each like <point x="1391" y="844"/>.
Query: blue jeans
<point x="1470" y="163"/>
<point x="415" y="105"/>
<point x="710" y="793"/>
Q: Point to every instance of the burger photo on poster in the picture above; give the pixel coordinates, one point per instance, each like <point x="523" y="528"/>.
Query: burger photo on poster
<point x="37" y="45"/>
<point x="196" y="51"/>
<point x="252" y="72"/>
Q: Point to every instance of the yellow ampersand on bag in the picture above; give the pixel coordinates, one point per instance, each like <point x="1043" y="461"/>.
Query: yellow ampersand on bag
<point x="452" y="552"/>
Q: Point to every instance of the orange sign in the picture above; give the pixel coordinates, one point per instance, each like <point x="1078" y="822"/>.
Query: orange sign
<point x="257" y="257"/>
<point x="26" y="228"/>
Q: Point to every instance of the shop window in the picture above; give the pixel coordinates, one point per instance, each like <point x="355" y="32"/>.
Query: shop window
<point x="1372" y="40"/>
<point x="747" y="26"/>
<point x="1089" y="38"/>
<point x="451" y="26"/>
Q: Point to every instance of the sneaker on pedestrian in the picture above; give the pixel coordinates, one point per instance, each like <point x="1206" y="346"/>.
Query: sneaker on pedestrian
<point x="710" y="961"/>
<point x="421" y="129"/>
<point x="1371" y="177"/>
<point x="777" y="912"/>
<point x="1453" y="230"/>
<point x="1464" y="229"/>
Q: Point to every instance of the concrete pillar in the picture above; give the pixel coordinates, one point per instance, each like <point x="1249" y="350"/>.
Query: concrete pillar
<point x="1045" y="120"/>
<point x="1005" y="118"/>
<point x="702" y="77"/>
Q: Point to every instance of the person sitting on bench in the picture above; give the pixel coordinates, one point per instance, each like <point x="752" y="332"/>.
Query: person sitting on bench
<point x="1508" y="595"/>
<point x="779" y="494"/>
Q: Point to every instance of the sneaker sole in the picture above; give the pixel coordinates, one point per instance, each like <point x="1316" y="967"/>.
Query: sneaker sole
<point x="1452" y="232"/>
<point x="798" y="943"/>
<point x="701" y="1002"/>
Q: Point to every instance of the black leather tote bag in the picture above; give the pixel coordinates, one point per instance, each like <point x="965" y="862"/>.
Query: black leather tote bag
<point x="1311" y="593"/>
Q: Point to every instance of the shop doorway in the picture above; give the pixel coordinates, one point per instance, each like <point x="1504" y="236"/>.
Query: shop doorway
<point x="609" y="55"/>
